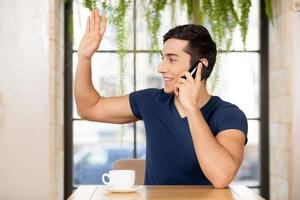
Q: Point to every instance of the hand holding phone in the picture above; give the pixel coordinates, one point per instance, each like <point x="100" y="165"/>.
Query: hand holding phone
<point x="193" y="69"/>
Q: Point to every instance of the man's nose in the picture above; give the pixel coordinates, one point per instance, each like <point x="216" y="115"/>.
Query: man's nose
<point x="162" y="68"/>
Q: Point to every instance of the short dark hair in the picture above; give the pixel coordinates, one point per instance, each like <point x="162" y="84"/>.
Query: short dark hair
<point x="201" y="44"/>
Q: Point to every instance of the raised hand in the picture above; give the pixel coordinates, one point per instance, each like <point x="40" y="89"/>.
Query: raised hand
<point x="92" y="36"/>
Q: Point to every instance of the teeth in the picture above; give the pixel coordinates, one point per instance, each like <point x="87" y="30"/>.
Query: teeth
<point x="168" y="79"/>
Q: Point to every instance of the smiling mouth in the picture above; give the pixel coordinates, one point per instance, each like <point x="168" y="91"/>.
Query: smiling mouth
<point x="168" y="79"/>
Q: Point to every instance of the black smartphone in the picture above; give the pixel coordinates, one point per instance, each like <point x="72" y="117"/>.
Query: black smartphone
<point x="193" y="69"/>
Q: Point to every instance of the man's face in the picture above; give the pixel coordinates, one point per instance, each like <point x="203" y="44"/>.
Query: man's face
<point x="174" y="62"/>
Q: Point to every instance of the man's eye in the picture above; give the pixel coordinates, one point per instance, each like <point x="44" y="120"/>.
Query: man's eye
<point x="172" y="60"/>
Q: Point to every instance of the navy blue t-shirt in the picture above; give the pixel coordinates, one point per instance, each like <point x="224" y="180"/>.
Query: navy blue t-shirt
<point x="170" y="155"/>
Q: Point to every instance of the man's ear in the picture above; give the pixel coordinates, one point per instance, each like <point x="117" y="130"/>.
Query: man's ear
<point x="204" y="61"/>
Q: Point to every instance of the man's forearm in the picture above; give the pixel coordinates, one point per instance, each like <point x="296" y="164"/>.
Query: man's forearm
<point x="215" y="161"/>
<point x="85" y="94"/>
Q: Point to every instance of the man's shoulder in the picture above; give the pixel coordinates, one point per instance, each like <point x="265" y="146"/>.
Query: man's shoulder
<point x="222" y="104"/>
<point x="225" y="108"/>
<point x="147" y="93"/>
<point x="229" y="116"/>
<point x="151" y="97"/>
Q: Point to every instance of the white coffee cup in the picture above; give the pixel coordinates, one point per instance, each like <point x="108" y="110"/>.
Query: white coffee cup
<point x="119" y="178"/>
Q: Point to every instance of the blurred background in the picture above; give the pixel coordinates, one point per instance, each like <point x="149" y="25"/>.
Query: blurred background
<point x="47" y="150"/>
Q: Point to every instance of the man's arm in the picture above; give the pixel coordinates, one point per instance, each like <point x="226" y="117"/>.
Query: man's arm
<point x="90" y="105"/>
<point x="219" y="157"/>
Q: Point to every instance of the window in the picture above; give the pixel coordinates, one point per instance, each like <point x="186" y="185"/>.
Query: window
<point x="97" y="145"/>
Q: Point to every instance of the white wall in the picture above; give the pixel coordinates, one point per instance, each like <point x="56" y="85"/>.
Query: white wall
<point x="295" y="26"/>
<point x="30" y="117"/>
<point x="284" y="51"/>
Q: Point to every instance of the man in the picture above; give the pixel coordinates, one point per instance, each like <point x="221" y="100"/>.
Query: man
<point x="192" y="137"/>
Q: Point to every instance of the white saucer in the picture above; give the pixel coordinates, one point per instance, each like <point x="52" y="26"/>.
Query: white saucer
<point x="120" y="190"/>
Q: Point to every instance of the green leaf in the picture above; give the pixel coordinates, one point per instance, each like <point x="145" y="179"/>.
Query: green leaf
<point x="90" y="4"/>
<point x="269" y="10"/>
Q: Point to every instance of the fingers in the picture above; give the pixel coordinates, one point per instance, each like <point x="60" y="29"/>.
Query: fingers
<point x="176" y="92"/>
<point x="92" y="27"/>
<point x="97" y="20"/>
<point x="182" y="81"/>
<point x="188" y="76"/>
<point x="103" y="25"/>
<point x="94" y="23"/>
<point x="176" y="89"/>
<point x="88" y="24"/>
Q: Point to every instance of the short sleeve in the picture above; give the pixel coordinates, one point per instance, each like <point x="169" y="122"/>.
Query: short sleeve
<point x="231" y="117"/>
<point x="139" y="99"/>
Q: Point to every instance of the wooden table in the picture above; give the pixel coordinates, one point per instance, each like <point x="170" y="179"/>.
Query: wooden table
<point x="238" y="192"/>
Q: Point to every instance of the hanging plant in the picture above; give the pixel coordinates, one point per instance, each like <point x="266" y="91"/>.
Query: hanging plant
<point x="153" y="17"/>
<point x="90" y="4"/>
<point x="119" y="21"/>
<point x="269" y="10"/>
<point x="244" y="8"/>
